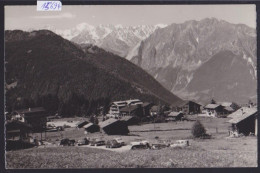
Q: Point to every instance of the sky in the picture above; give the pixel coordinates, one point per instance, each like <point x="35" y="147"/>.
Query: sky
<point x="26" y="17"/>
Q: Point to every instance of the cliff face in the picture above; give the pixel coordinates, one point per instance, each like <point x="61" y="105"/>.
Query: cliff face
<point x="183" y="58"/>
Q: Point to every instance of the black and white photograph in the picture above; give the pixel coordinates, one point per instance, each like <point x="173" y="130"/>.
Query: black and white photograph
<point x="130" y="86"/>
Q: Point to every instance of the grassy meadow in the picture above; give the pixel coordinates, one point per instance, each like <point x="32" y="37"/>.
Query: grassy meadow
<point x="219" y="151"/>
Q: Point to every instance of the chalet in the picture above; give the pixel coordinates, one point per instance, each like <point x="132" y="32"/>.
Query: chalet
<point x="146" y="108"/>
<point x="114" y="127"/>
<point x="228" y="110"/>
<point x="117" y="105"/>
<point x="91" y="128"/>
<point x="244" y="121"/>
<point x="177" y="116"/>
<point x="16" y="130"/>
<point x="214" y="110"/>
<point x="17" y="135"/>
<point x="132" y="110"/>
<point x="36" y="117"/>
<point x="130" y="120"/>
<point x="189" y="107"/>
<point x="229" y="107"/>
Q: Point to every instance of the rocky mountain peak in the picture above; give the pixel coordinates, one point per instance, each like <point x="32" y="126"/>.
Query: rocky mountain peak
<point x="175" y="53"/>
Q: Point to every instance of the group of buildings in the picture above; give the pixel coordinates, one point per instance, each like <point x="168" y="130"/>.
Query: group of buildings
<point x="244" y="119"/>
<point x="138" y="108"/>
<point x="129" y="112"/>
<point x="21" y="124"/>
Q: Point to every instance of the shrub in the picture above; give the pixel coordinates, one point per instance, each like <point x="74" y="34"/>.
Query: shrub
<point x="93" y="119"/>
<point x="66" y="126"/>
<point x="198" y="129"/>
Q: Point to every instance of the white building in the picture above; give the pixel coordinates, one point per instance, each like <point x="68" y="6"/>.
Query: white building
<point x="117" y="105"/>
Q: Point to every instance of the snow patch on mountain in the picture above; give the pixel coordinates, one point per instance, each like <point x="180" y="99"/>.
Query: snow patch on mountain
<point x="134" y="52"/>
<point x="109" y="36"/>
<point x="197" y="39"/>
<point x="250" y="62"/>
<point x="156" y="75"/>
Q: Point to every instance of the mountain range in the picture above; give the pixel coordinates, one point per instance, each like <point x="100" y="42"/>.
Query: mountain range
<point x="117" y="39"/>
<point x="195" y="60"/>
<point x="44" y="69"/>
<point x="178" y="55"/>
<point x="201" y="60"/>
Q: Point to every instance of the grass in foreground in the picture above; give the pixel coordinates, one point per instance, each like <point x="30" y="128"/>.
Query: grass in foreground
<point x="216" y="152"/>
<point x="77" y="157"/>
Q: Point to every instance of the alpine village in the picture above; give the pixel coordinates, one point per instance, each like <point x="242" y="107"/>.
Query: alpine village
<point x="75" y="104"/>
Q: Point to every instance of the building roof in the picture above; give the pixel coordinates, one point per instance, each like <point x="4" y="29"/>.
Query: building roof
<point x="126" y="118"/>
<point x="239" y="112"/>
<point x="174" y="114"/>
<point x="125" y="102"/>
<point x="243" y="115"/>
<point x="225" y="104"/>
<point x="146" y="104"/>
<point x="129" y="108"/>
<point x="87" y="125"/>
<point x="30" y="110"/>
<point x="228" y="108"/>
<point x="107" y="122"/>
<point x="119" y="103"/>
<point x="211" y="106"/>
<point x="81" y="123"/>
<point x="133" y="100"/>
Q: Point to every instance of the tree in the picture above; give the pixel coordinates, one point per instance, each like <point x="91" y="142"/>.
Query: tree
<point x="93" y="119"/>
<point x="213" y="101"/>
<point x="198" y="129"/>
<point x="250" y="103"/>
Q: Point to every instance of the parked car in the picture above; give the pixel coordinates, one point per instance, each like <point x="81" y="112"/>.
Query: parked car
<point x="113" y="144"/>
<point x="170" y="119"/>
<point x="120" y="140"/>
<point x="60" y="128"/>
<point x="166" y="142"/>
<point x="67" y="142"/>
<point x="158" y="146"/>
<point x="140" y="145"/>
<point x="84" y="141"/>
<point x="51" y="130"/>
<point x="97" y="142"/>
<point x="180" y="143"/>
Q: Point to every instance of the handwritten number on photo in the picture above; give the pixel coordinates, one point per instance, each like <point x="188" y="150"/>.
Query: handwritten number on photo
<point x="51" y="5"/>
